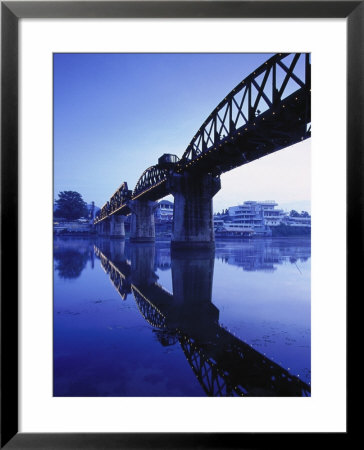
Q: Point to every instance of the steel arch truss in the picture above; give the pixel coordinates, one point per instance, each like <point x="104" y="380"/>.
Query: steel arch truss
<point x="121" y="281"/>
<point x="148" y="310"/>
<point x="262" y="91"/>
<point x="229" y="367"/>
<point x="120" y="197"/>
<point x="103" y="213"/>
<point x="116" y="202"/>
<point x="214" y="381"/>
<point x="150" y="178"/>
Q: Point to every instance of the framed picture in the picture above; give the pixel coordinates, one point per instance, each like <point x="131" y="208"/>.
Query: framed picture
<point x="69" y="81"/>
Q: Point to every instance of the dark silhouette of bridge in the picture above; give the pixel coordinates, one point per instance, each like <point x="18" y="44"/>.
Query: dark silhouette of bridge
<point x="223" y="364"/>
<point x="267" y="111"/>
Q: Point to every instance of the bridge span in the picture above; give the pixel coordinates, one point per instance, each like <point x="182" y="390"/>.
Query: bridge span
<point x="267" y="111"/>
<point x="224" y="365"/>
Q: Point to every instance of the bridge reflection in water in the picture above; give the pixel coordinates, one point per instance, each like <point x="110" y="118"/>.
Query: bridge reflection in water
<point x="223" y="364"/>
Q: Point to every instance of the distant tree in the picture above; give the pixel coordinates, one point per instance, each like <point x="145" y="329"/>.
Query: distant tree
<point x="294" y="213"/>
<point x="70" y="205"/>
<point x="304" y="214"/>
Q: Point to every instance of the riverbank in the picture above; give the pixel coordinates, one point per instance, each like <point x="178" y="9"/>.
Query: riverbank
<point x="286" y="230"/>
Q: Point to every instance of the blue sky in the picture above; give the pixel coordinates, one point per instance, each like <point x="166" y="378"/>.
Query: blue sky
<point x="115" y="114"/>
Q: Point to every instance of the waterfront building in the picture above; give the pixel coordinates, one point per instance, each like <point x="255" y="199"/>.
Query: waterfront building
<point x="218" y="221"/>
<point x="257" y="216"/>
<point x="164" y="211"/>
<point x="72" y="227"/>
<point x="302" y="221"/>
<point x="230" y="229"/>
<point x="221" y="219"/>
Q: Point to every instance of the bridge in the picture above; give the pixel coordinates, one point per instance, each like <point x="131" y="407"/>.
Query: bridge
<point x="223" y="364"/>
<point x="267" y="111"/>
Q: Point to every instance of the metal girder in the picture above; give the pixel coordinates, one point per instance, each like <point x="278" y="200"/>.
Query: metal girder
<point x="261" y="91"/>
<point x="150" y="178"/>
<point x="214" y="382"/>
<point x="120" y="280"/>
<point x="117" y="201"/>
<point x="150" y="313"/>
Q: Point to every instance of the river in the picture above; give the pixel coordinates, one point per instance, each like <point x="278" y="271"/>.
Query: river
<point x="138" y="320"/>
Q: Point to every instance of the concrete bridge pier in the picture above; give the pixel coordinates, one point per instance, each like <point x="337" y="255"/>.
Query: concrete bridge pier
<point x="103" y="227"/>
<point x="142" y="258"/>
<point x="117" y="251"/>
<point x="192" y="277"/>
<point x="193" y="219"/>
<point x="142" y="221"/>
<point x="99" y="228"/>
<point x="117" y="227"/>
<point x="106" y="227"/>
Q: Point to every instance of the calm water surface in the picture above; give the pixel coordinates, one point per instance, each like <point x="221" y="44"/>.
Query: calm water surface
<point x="136" y="320"/>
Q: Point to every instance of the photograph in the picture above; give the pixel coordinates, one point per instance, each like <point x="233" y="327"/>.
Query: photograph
<point x="182" y="225"/>
<point x="168" y="239"/>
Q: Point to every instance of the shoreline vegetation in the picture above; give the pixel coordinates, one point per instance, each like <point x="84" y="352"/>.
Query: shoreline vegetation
<point x="286" y="230"/>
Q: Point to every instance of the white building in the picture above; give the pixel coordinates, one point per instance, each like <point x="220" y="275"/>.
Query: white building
<point x="164" y="211"/>
<point x="301" y="222"/>
<point x="218" y="221"/>
<point x="258" y="216"/>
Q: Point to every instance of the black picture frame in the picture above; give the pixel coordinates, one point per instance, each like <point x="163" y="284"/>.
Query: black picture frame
<point x="11" y="12"/>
